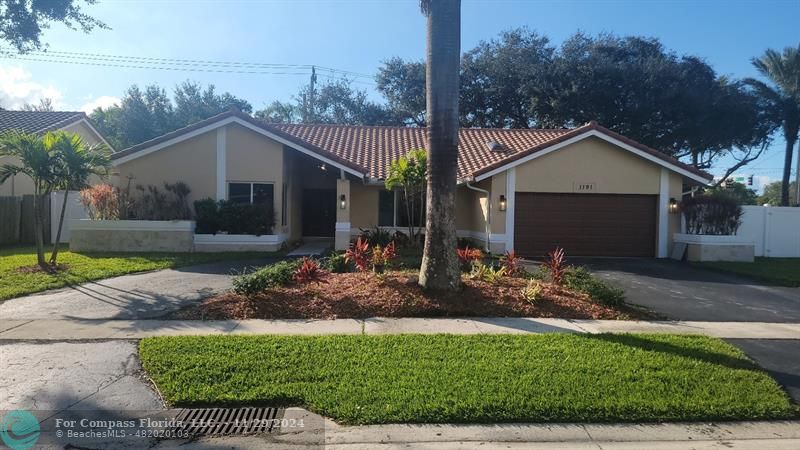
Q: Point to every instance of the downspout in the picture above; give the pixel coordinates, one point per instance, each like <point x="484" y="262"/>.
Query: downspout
<point x="488" y="212"/>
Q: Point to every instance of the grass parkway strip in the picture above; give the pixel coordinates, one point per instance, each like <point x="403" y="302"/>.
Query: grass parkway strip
<point x="470" y="379"/>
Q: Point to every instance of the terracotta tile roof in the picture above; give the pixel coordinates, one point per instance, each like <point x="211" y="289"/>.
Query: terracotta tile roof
<point x="38" y="121"/>
<point x="369" y="150"/>
<point x="375" y="147"/>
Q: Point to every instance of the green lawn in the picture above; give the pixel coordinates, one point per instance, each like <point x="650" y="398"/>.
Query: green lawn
<point x="780" y="271"/>
<point x="473" y="378"/>
<point x="82" y="267"/>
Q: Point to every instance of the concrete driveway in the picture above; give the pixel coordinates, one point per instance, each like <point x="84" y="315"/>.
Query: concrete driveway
<point x="139" y="296"/>
<point x="685" y="292"/>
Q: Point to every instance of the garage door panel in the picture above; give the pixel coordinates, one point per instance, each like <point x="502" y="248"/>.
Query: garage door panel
<point x="585" y="224"/>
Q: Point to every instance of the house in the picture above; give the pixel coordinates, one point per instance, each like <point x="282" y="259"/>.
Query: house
<point x="587" y="189"/>
<point x="42" y="122"/>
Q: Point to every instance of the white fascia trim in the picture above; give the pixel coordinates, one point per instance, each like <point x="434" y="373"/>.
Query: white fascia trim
<point x="663" y="213"/>
<point x="605" y="137"/>
<point x="511" y="189"/>
<point x="245" y="124"/>
<point x="222" y="157"/>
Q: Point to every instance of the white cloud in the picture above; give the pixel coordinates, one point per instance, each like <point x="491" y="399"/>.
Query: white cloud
<point x="103" y="101"/>
<point x="17" y="88"/>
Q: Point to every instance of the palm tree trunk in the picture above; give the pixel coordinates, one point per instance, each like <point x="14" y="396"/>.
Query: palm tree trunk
<point x="38" y="227"/>
<point x="797" y="179"/>
<point x="440" y="269"/>
<point x="54" y="255"/>
<point x="787" y="170"/>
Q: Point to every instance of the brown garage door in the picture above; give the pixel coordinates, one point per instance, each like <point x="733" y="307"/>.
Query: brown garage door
<point x="585" y="224"/>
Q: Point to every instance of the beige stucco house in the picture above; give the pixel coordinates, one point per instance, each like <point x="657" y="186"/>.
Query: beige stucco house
<point x="42" y="122"/>
<point x="587" y="189"/>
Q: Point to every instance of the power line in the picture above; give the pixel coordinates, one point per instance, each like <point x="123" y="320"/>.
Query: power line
<point x="190" y="62"/>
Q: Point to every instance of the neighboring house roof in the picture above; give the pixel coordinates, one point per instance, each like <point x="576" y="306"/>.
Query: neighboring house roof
<point x="38" y="121"/>
<point x="369" y="149"/>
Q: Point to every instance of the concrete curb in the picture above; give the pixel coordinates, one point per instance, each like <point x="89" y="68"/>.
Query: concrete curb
<point x="88" y="329"/>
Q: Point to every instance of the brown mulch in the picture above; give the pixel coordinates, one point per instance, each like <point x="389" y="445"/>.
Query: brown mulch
<point x="39" y="269"/>
<point x="397" y="294"/>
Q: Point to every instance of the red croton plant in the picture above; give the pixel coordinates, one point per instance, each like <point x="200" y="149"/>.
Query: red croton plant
<point x="309" y="271"/>
<point x="556" y="263"/>
<point x="358" y="254"/>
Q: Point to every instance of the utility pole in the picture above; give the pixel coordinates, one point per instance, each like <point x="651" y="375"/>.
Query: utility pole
<point x="311" y="94"/>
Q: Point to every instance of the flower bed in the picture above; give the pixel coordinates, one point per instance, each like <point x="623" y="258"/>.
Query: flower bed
<point x="396" y="294"/>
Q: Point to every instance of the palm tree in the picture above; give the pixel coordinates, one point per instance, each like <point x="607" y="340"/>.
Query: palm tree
<point x="77" y="161"/>
<point x="783" y="71"/>
<point x="440" y="269"/>
<point x="38" y="161"/>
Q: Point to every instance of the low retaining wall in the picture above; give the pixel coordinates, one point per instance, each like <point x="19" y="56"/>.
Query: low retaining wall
<point x="131" y="236"/>
<point x="701" y="247"/>
<point x="238" y="242"/>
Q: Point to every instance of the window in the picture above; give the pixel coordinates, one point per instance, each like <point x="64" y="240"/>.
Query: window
<point x="392" y="209"/>
<point x="284" y="204"/>
<point x="250" y="193"/>
<point x="386" y="208"/>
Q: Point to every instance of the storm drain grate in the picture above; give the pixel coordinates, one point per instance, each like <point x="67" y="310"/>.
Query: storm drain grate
<point x="226" y="421"/>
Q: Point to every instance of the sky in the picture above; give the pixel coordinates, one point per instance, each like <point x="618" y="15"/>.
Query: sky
<point x="357" y="35"/>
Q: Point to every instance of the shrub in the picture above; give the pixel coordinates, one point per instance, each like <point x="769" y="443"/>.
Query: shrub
<point x="512" y="263"/>
<point x="579" y="279"/>
<point x="308" y="271"/>
<point x="487" y="273"/>
<point x="336" y="263"/>
<point x="101" y="202"/>
<point x="358" y="254"/>
<point x="556" y="265"/>
<point x="206" y="216"/>
<point x="233" y="218"/>
<point x="715" y="214"/>
<point x="468" y="257"/>
<point x="151" y="203"/>
<point x="279" y="274"/>
<point x="532" y="292"/>
<point x="376" y="236"/>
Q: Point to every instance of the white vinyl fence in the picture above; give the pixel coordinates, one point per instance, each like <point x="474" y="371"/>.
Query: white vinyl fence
<point x="775" y="230"/>
<point x="75" y="210"/>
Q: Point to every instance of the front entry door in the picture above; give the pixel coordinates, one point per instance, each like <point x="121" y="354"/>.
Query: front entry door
<point x="319" y="212"/>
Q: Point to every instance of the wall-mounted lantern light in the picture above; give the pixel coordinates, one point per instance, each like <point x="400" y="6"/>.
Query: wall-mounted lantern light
<point x="503" y="203"/>
<point x="342" y="202"/>
<point x="673" y="205"/>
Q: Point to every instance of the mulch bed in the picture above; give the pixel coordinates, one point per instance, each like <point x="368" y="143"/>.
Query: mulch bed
<point x="396" y="294"/>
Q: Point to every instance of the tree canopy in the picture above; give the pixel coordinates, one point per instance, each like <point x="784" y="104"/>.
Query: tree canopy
<point x="147" y="113"/>
<point x="23" y="21"/>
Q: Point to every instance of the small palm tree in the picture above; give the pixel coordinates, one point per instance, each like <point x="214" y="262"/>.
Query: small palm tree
<point x="440" y="269"/>
<point x="38" y="161"/>
<point x="76" y="162"/>
<point x="783" y="71"/>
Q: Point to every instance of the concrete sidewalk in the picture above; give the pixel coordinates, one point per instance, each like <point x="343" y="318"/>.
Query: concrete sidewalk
<point x="83" y="329"/>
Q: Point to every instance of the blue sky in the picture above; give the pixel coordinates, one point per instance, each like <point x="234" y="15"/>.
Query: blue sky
<point x="356" y="35"/>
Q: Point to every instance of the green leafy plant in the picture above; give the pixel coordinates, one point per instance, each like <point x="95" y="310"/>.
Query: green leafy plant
<point x="308" y="271"/>
<point x="376" y="236"/>
<point x="336" y="263"/>
<point x="579" y="279"/>
<point x="487" y="273"/>
<point x="409" y="174"/>
<point x="206" y="216"/>
<point x="233" y="218"/>
<point x="532" y="292"/>
<point x="556" y="264"/>
<point x="278" y="274"/>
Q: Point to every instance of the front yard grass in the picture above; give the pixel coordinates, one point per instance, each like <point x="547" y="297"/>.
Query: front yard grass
<point x="780" y="271"/>
<point x="469" y="379"/>
<point x="82" y="267"/>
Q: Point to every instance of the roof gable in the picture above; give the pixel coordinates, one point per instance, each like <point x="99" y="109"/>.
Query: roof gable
<point x="368" y="150"/>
